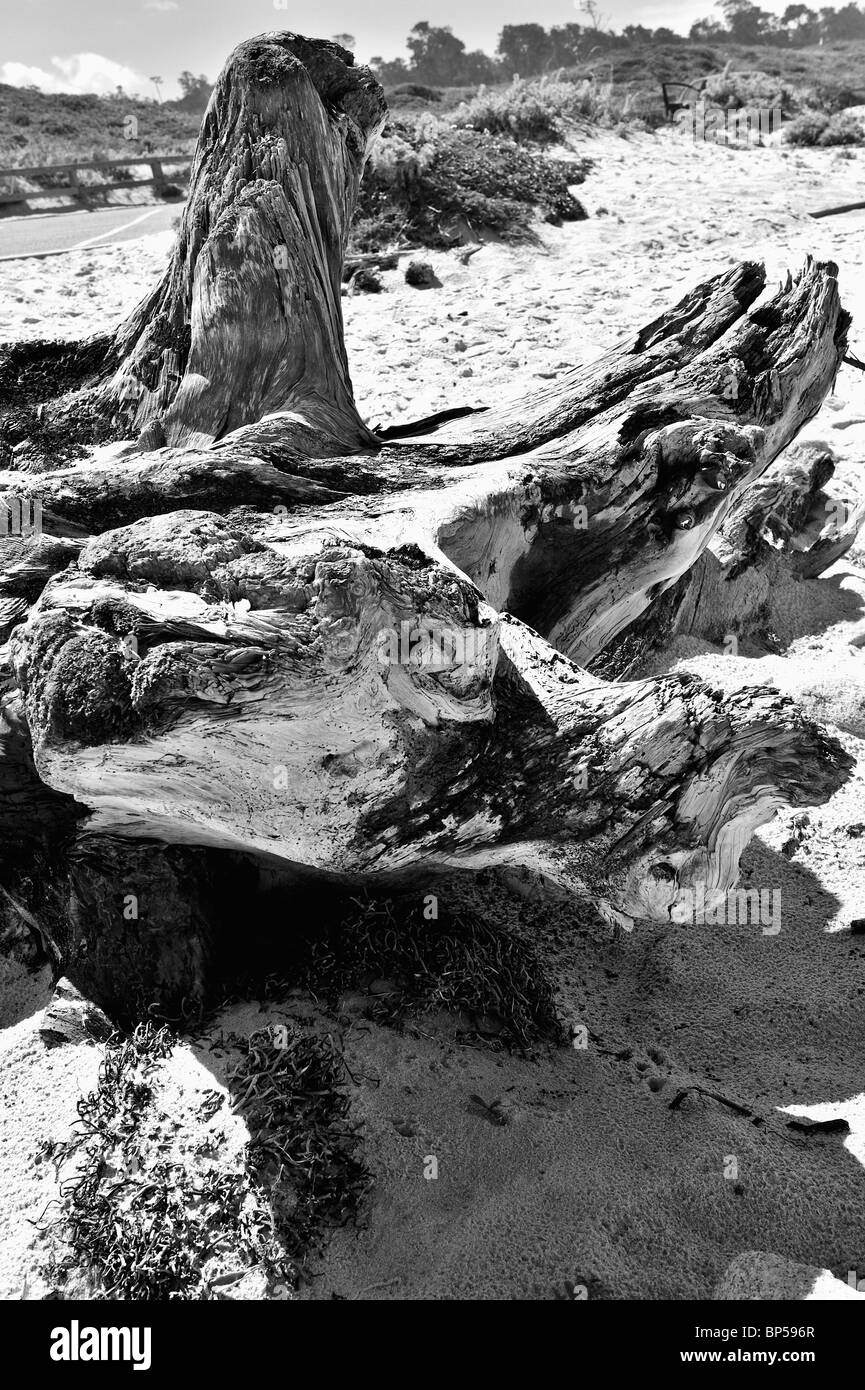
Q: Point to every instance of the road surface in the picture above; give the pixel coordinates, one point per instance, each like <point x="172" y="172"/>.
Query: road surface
<point x="46" y="234"/>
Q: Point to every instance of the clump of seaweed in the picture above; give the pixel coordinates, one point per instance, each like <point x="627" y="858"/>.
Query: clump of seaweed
<point x="138" y="1226"/>
<point x="35" y="374"/>
<point x="303" y="1151"/>
<point x="455" y="962"/>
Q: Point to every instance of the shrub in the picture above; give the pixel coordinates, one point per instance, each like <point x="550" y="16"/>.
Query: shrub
<point x="834" y="97"/>
<point x="816" y="128"/>
<point x="415" y="89"/>
<point x="748" y="89"/>
<point x="595" y="102"/>
<point x="843" y="130"/>
<point x="524" y="110"/>
<point x="422" y="180"/>
<point x="807" y="128"/>
<point x="540" y="110"/>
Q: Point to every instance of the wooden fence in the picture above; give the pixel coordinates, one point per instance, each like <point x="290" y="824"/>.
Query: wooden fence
<point x="74" y="188"/>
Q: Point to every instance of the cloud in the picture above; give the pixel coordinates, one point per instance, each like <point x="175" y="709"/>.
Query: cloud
<point x="80" y="72"/>
<point x="161" y="5"/>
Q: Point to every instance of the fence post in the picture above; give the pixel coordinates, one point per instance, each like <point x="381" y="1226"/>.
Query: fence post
<point x="76" y="187"/>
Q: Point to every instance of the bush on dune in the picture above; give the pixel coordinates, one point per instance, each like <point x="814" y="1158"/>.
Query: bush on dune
<point x="523" y="110"/>
<point x="414" y="89"/>
<point x="834" y="97"/>
<point x="816" y="128"/>
<point x="541" y="110"/>
<point x="423" y="179"/>
<point x="750" y="89"/>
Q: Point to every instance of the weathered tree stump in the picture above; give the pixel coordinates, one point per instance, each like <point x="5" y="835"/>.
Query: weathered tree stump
<point x="281" y="636"/>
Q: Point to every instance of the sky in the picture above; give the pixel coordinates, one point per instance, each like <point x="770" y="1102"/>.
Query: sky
<point x="96" y="45"/>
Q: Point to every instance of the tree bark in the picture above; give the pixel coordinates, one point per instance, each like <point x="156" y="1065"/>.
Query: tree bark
<point x="783" y="528"/>
<point x="246" y="322"/>
<point x="280" y="636"/>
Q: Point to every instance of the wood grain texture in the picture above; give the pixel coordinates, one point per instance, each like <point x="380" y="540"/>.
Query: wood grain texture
<point x="254" y="627"/>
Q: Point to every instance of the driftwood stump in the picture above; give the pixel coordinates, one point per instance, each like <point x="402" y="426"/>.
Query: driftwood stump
<point x="253" y="627"/>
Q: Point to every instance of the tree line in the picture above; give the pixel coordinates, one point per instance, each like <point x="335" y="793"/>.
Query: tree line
<point x="439" y="58"/>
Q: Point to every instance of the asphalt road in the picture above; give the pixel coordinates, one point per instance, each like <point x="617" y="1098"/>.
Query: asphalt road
<point x="46" y="234"/>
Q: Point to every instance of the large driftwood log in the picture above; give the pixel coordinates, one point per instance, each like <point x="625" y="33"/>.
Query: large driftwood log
<point x="363" y="712"/>
<point x="282" y="636"/>
<point x="784" y="528"/>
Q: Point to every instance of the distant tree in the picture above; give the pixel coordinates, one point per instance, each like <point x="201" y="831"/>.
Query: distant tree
<point x="479" y="67"/>
<point x="157" y="82"/>
<point x="591" y="9"/>
<point x="794" y="15"/>
<point x="708" y="31"/>
<point x="436" y="54"/>
<point x="846" y="23"/>
<point x="828" y="16"/>
<point x="747" y="23"/>
<point x="391" y="71"/>
<point x="663" y="35"/>
<point x="566" y="41"/>
<point x="346" y="41"/>
<point x="525" y="48"/>
<point x="801" y="24"/>
<point x="195" y="91"/>
<point x="637" y="33"/>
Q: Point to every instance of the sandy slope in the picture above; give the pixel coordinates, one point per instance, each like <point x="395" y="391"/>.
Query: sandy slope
<point x="595" y="1181"/>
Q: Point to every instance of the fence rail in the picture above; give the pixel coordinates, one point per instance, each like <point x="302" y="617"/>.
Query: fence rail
<point x="80" y="191"/>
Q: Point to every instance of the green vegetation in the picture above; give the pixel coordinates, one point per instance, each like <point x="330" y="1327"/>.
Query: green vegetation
<point x="544" y="112"/>
<point x="33" y="372"/>
<point x="37" y="128"/>
<point x="431" y="183"/>
<point x="490" y="977"/>
<point x="303" y="1153"/>
<point x="816" y="128"/>
<point x="155" y="1204"/>
<point x="523" y="111"/>
<point x="135" y="1224"/>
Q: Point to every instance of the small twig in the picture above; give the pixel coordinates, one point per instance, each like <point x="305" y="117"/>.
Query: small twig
<point x="386" y="1284"/>
<point x="833" y="212"/>
<point x="712" y="1095"/>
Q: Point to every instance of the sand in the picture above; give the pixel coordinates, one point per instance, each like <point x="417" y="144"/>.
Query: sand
<point x="596" y="1187"/>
